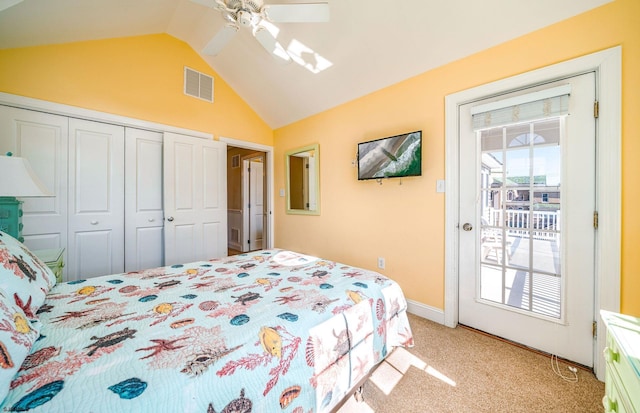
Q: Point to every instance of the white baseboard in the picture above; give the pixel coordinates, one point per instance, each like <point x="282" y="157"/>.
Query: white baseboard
<point x="422" y="310"/>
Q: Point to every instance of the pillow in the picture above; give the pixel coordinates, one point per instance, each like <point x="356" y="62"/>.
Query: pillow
<point x="24" y="277"/>
<point x="17" y="335"/>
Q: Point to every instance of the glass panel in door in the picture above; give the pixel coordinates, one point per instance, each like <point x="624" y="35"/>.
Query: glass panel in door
<point x="520" y="217"/>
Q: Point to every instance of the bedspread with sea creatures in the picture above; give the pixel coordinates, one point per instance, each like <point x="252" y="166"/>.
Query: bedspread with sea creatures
<point x="267" y="331"/>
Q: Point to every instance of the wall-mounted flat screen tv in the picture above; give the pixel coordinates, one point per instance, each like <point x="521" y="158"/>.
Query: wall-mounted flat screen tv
<point x="393" y="157"/>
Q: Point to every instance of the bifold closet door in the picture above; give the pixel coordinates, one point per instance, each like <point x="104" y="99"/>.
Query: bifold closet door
<point x="42" y="139"/>
<point x="96" y="199"/>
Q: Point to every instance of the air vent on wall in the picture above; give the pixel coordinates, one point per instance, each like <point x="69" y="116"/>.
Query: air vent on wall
<point x="198" y="85"/>
<point x="235" y="235"/>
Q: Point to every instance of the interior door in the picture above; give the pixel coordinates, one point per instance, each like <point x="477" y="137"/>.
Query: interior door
<point x="96" y="199"/>
<point x="42" y="139"/>
<point x="253" y="197"/>
<point x="526" y="239"/>
<point x="195" y="199"/>
<point x="144" y="228"/>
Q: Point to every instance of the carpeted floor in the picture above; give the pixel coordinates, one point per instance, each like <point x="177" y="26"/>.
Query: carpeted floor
<point x="461" y="370"/>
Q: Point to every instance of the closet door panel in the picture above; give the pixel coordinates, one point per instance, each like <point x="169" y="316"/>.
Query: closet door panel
<point x="96" y="199"/>
<point x="42" y="139"/>
<point x="144" y="236"/>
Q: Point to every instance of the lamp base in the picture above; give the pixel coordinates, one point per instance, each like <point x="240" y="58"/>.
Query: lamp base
<point x="11" y="217"/>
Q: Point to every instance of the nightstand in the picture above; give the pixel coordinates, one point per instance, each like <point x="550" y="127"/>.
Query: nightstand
<point x="622" y="375"/>
<point x="54" y="259"/>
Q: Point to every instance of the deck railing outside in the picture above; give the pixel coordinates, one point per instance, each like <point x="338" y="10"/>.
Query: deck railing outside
<point x="545" y="225"/>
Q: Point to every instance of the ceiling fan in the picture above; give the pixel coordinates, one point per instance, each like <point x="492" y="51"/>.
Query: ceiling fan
<point x="5" y="4"/>
<point x="256" y="16"/>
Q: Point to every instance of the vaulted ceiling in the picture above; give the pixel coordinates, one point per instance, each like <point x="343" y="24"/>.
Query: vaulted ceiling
<point x="367" y="44"/>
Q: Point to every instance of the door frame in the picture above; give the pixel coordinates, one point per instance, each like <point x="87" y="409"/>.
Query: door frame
<point x="608" y="67"/>
<point x="268" y="240"/>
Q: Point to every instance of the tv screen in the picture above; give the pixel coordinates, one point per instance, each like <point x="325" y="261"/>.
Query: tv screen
<point x="393" y="157"/>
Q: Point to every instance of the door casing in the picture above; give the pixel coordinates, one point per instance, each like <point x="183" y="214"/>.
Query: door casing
<point x="268" y="237"/>
<point x="608" y="67"/>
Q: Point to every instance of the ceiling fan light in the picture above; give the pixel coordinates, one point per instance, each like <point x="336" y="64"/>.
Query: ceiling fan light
<point x="245" y="18"/>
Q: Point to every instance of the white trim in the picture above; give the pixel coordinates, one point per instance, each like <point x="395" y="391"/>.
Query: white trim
<point x="270" y="183"/>
<point x="425" y="311"/>
<point x="88" y="114"/>
<point x="608" y="67"/>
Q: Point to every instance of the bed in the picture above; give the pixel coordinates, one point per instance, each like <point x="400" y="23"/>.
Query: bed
<point x="267" y="331"/>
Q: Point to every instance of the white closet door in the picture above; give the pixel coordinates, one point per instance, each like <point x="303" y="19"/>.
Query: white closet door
<point x="144" y="237"/>
<point x="195" y="193"/>
<point x="96" y="199"/>
<point x="42" y="139"/>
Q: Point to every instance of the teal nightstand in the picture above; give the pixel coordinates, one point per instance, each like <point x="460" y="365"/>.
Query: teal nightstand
<point x="54" y="259"/>
<point x="11" y="217"/>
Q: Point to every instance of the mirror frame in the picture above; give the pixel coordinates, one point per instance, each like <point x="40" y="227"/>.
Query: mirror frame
<point x="313" y="147"/>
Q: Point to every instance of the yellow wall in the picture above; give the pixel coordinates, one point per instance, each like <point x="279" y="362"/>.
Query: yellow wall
<point x="139" y="77"/>
<point x="361" y="221"/>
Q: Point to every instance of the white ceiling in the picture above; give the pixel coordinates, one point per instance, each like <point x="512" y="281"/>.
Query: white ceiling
<point x="370" y="44"/>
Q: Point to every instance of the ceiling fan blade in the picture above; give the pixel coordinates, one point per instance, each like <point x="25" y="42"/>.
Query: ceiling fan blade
<point x="271" y="45"/>
<point x="5" y="4"/>
<point x="220" y="40"/>
<point x="297" y="13"/>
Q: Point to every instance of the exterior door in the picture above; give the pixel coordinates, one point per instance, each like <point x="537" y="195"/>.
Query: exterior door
<point x="96" y="199"/>
<point x="526" y="239"/>
<point x="195" y="199"/>
<point x="42" y="139"/>
<point x="144" y="228"/>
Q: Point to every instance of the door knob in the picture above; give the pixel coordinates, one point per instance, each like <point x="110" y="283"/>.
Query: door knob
<point x="170" y="219"/>
<point x="467" y="227"/>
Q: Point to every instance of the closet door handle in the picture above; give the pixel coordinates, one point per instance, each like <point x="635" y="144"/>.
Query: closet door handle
<point x="170" y="219"/>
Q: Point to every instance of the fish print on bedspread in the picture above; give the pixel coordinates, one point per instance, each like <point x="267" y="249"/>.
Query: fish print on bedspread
<point x="266" y="331"/>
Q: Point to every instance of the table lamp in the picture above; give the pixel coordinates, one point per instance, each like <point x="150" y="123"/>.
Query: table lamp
<point x="17" y="179"/>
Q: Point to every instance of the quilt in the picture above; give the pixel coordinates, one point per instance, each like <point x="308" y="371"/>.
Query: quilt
<point x="268" y="331"/>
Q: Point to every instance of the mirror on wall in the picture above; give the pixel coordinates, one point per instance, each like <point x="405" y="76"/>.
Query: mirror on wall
<point x="303" y="180"/>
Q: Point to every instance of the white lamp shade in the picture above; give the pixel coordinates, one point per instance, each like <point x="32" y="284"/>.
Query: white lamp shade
<point x="18" y="179"/>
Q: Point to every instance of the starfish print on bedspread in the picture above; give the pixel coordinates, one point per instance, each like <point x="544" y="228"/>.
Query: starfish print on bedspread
<point x="287" y="299"/>
<point x="160" y="346"/>
<point x="173" y="352"/>
<point x="25" y="307"/>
